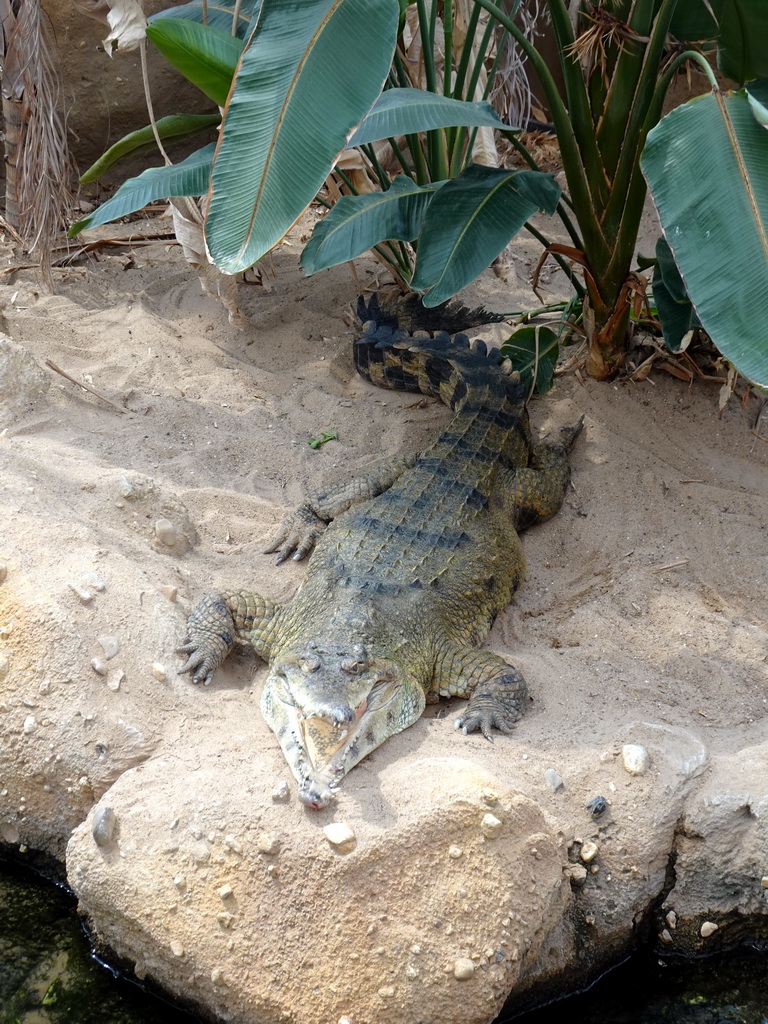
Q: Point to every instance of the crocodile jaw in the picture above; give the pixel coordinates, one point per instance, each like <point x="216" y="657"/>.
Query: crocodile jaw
<point x="328" y="723"/>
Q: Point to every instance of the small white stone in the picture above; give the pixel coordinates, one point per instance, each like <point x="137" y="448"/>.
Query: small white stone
<point x="180" y="882"/>
<point x="589" y="851"/>
<point x="281" y="793"/>
<point x="169" y="592"/>
<point x="455" y="852"/>
<point x="635" y="758"/>
<point x="671" y="919"/>
<point x="490" y="826"/>
<point x="83" y="595"/>
<point x="30" y="724"/>
<point x="114" y="679"/>
<point x="268" y="843"/>
<point x="165" y="532"/>
<point x="463" y="969"/>
<point x="665" y="936"/>
<point x="578" y="875"/>
<point x="104" y="825"/>
<point x="707" y="929"/>
<point x="764" y="881"/>
<point x="489" y="797"/>
<point x="110" y="645"/>
<point x="387" y="992"/>
<point x="99" y="666"/>
<point x="5" y="664"/>
<point x="44" y="687"/>
<point x="158" y="671"/>
<point x="339" y="834"/>
<point x="176" y="948"/>
<point x="225" y="892"/>
<point x="553" y="779"/>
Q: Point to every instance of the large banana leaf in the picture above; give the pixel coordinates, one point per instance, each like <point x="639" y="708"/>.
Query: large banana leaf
<point x="706" y="164"/>
<point x="470" y="221"/>
<point x="696" y="20"/>
<point x="172" y="128"/>
<point x="305" y="80"/>
<point x="357" y="223"/>
<point x="216" y="13"/>
<point x="206" y="56"/>
<point x="757" y="93"/>
<point x="188" y="178"/>
<point x="534" y="352"/>
<point x="407" y="111"/>
<point x="742" y="40"/>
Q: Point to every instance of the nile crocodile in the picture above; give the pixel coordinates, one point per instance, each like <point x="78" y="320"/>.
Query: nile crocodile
<point x="411" y="564"/>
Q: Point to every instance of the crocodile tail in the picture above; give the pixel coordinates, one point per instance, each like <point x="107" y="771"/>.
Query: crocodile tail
<point x="389" y="308"/>
<point x="445" y="366"/>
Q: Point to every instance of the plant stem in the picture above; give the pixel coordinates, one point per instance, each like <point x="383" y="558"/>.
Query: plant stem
<point x="576" y="284"/>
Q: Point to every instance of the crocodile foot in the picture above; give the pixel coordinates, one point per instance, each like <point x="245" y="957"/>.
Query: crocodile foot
<point x="297" y="535"/>
<point x="209" y="639"/>
<point x="495" y="704"/>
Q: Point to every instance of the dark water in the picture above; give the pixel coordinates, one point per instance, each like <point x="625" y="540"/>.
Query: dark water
<point x="47" y="973"/>
<point x="48" y="976"/>
<point x="729" y="989"/>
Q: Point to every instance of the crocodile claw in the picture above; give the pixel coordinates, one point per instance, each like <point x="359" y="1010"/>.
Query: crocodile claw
<point x="201" y="664"/>
<point x="297" y="536"/>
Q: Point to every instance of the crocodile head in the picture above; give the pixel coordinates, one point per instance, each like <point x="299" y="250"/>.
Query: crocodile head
<point x="330" y="706"/>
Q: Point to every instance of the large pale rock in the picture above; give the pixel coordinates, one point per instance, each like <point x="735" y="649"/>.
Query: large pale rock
<point x="307" y="929"/>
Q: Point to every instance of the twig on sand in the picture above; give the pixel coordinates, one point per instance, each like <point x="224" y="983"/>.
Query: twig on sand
<point x="85" y="387"/>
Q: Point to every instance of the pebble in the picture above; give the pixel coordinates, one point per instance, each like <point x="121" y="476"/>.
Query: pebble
<point x="764" y="881"/>
<point x="30" y="724"/>
<point x="225" y="891"/>
<point x="554" y="779"/>
<point x="176" y="948"/>
<point x="268" y="843"/>
<point x="95" y="581"/>
<point x="707" y="929"/>
<point x="3" y="571"/>
<point x="98" y="666"/>
<point x="463" y="969"/>
<point x="489" y="797"/>
<point x="44" y="687"/>
<point x="104" y="825"/>
<point x="671" y="919"/>
<point x="589" y="851"/>
<point x="165" y="532"/>
<point x="114" y="679"/>
<point x="180" y="882"/>
<point x="158" y="671"/>
<point x="455" y="852"/>
<point x="281" y="793"/>
<point x="340" y="835"/>
<point x="387" y="992"/>
<point x="665" y="936"/>
<point x="635" y="758"/>
<point x="83" y="595"/>
<point x="490" y="826"/>
<point x="170" y="592"/>
<point x="5" y="664"/>
<point x="597" y="806"/>
<point x="578" y="875"/>
<point x="110" y="645"/>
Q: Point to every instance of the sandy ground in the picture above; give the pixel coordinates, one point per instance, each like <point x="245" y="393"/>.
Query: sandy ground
<point x="646" y="597"/>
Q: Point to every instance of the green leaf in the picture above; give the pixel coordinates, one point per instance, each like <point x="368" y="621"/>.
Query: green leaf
<point x="171" y="129"/>
<point x="304" y="81"/>
<point x="206" y="56"/>
<point x="216" y="13"/>
<point x="188" y="178"/>
<point x="757" y="93"/>
<point x="706" y="164"/>
<point x="470" y="221"/>
<point x="696" y="21"/>
<point x="742" y="40"/>
<point x="407" y="111"/>
<point x="534" y="352"/>
<point x="357" y="223"/>
<point x="672" y="301"/>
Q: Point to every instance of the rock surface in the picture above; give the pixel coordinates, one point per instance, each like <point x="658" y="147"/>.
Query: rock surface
<point x="468" y="874"/>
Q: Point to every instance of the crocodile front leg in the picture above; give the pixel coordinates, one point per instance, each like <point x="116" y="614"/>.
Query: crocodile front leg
<point x="536" y="492"/>
<point x="496" y="690"/>
<point x="300" y="530"/>
<point x="221" y="620"/>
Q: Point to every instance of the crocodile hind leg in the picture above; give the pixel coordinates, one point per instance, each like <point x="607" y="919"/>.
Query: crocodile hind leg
<point x="496" y="690"/>
<point x="221" y="620"/>
<point x="536" y="492"/>
<point x="300" y="530"/>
